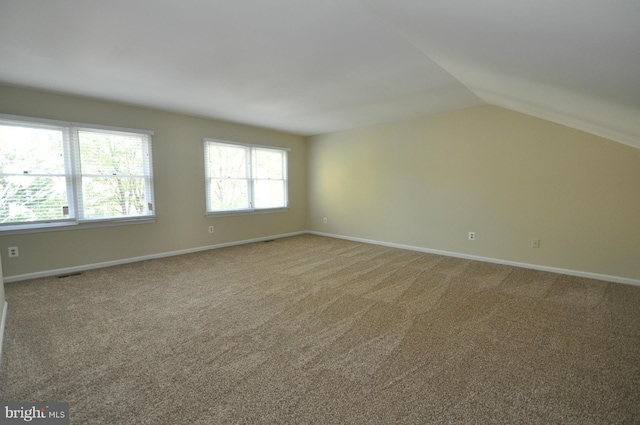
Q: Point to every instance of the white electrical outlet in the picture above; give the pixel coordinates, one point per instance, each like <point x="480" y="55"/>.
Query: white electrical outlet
<point x="472" y="236"/>
<point x="324" y="220"/>
<point x="13" y="251"/>
<point x="210" y="229"/>
<point x="535" y="243"/>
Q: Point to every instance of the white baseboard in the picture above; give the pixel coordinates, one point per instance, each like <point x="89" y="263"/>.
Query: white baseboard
<point x="2" y="323"/>
<point x="76" y="269"/>
<point x="608" y="278"/>
<point x="84" y="267"/>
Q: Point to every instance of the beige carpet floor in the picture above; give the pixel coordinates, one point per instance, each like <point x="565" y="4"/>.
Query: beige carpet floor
<point x="310" y="329"/>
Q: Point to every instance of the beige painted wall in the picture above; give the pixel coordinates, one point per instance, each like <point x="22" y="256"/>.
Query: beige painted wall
<point x="423" y="182"/>
<point x="511" y="178"/>
<point x="178" y="157"/>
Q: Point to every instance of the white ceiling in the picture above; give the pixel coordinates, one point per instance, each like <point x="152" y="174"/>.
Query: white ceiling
<point x="317" y="66"/>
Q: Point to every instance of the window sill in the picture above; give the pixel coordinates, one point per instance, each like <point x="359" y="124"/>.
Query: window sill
<point x="246" y="212"/>
<point x="55" y="227"/>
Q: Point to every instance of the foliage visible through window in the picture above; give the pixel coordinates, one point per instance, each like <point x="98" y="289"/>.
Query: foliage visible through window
<point x="244" y="178"/>
<point x="114" y="174"/>
<point x="52" y="173"/>
<point x="33" y="182"/>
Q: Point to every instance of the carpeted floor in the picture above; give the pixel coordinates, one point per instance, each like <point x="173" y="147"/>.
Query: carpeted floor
<point x="310" y="329"/>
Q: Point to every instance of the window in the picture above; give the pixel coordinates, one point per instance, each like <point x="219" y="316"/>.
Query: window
<point x="56" y="174"/>
<point x="116" y="174"/>
<point x="244" y="178"/>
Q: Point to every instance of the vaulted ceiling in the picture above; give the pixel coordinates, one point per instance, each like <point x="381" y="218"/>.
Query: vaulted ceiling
<point x="318" y="66"/>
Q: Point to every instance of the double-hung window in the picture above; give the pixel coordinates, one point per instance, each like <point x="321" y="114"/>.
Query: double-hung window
<point x="244" y="178"/>
<point x="58" y="174"/>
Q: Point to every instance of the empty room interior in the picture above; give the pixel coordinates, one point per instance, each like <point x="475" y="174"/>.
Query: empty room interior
<point x="353" y="211"/>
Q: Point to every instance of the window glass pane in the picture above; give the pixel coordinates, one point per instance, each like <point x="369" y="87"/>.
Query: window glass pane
<point x="29" y="198"/>
<point x="111" y="154"/>
<point x="229" y="194"/>
<point x="32" y="174"/>
<point x="106" y="197"/>
<point x="269" y="193"/>
<point x="26" y="150"/>
<point x="268" y="164"/>
<point x="227" y="161"/>
<point x="113" y="168"/>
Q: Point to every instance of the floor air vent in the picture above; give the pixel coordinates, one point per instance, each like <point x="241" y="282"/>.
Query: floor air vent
<point x="62" y="276"/>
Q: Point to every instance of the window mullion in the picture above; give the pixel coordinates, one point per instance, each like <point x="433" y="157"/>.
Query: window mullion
<point x="74" y="174"/>
<point x="250" y="174"/>
<point x="285" y="178"/>
<point x="69" y="142"/>
<point x="148" y="179"/>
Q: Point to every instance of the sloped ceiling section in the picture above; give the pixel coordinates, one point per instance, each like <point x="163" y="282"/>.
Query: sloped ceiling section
<point x="319" y="66"/>
<point x="574" y="62"/>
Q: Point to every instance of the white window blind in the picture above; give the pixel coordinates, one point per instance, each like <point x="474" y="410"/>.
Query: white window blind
<point x="115" y="173"/>
<point x="34" y="185"/>
<point x="244" y="178"/>
<point x="56" y="173"/>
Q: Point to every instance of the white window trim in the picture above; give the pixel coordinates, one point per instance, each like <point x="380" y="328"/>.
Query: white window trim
<point x="76" y="222"/>
<point x="244" y="211"/>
